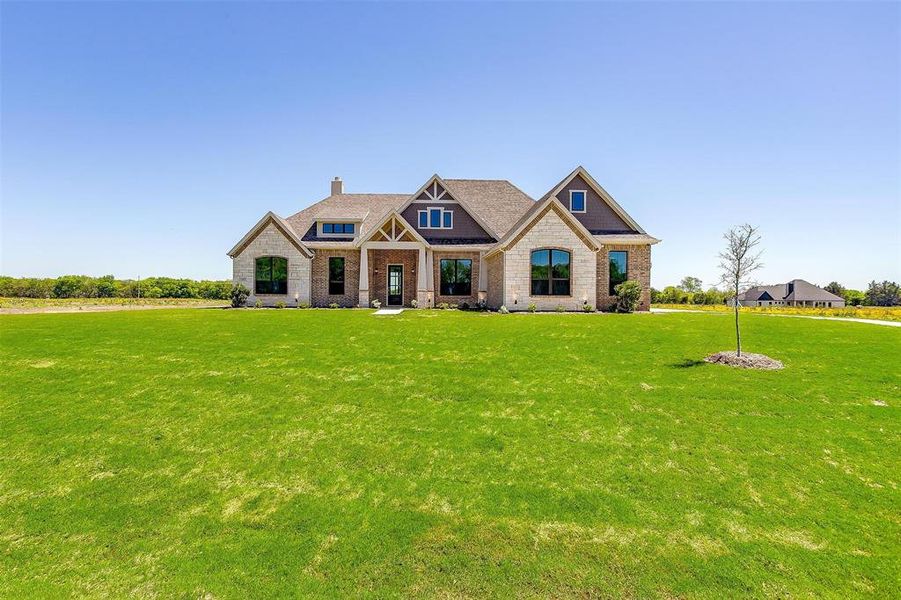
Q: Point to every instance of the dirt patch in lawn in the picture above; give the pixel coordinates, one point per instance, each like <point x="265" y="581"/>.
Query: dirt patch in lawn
<point x="746" y="361"/>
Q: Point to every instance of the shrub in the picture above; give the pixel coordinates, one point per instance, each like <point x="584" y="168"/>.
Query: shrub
<point x="628" y="294"/>
<point x="303" y="305"/>
<point x="258" y="304"/>
<point x="376" y="304"/>
<point x="280" y="304"/>
<point x="589" y="308"/>
<point x="503" y="310"/>
<point x="414" y="303"/>
<point x="560" y="308"/>
<point x="239" y="295"/>
<point x="334" y="305"/>
<point x="463" y="305"/>
<point x="532" y="307"/>
<point x="482" y="305"/>
<point x="442" y="306"/>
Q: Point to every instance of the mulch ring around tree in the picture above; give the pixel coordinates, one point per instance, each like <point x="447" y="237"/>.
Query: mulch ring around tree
<point x="747" y="360"/>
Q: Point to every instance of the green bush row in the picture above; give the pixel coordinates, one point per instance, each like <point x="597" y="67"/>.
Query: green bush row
<point x="83" y="286"/>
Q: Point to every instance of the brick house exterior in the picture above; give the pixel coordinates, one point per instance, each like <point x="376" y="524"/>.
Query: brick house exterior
<point x="500" y="247"/>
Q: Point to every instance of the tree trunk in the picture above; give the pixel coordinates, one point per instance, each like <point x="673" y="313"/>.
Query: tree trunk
<point x="737" y="331"/>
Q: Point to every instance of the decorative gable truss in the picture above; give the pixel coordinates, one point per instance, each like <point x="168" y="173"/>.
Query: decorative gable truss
<point x="435" y="191"/>
<point x="393" y="228"/>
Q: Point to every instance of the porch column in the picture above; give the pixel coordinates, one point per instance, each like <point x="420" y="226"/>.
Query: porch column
<point x="430" y="276"/>
<point x="483" y="277"/>
<point x="364" y="276"/>
<point x="422" y="279"/>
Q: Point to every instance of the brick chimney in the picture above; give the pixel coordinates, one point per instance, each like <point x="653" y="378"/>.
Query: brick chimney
<point x="337" y="186"/>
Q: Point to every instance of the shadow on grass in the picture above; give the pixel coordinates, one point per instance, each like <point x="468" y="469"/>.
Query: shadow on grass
<point x="687" y="363"/>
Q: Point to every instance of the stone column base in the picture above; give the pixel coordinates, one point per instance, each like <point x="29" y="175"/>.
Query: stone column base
<point x="364" y="298"/>
<point x="422" y="299"/>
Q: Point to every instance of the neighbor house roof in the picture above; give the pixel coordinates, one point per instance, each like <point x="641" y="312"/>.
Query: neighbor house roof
<point x="803" y="290"/>
<point x="797" y="290"/>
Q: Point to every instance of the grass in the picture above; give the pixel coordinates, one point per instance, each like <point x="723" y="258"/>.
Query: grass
<point x="233" y="454"/>
<point x="878" y="313"/>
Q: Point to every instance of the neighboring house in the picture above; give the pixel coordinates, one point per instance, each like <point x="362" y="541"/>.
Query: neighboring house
<point x="454" y="241"/>
<point x="797" y="292"/>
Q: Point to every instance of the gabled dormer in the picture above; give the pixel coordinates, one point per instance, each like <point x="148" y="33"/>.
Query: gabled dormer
<point x="592" y="206"/>
<point x="439" y="215"/>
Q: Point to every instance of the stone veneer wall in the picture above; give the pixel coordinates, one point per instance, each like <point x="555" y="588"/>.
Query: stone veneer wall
<point x="550" y="232"/>
<point x="320" y="295"/>
<point x="473" y="297"/>
<point x="378" y="282"/>
<point x="495" y="266"/>
<point x="271" y="242"/>
<point x="638" y="267"/>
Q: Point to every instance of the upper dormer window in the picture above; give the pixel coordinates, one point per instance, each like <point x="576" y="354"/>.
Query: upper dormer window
<point x="436" y="218"/>
<point x="338" y="228"/>
<point x="577" y="201"/>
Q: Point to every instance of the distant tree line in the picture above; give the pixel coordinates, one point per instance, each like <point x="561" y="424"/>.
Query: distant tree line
<point x="690" y="291"/>
<point x="83" y="286"/>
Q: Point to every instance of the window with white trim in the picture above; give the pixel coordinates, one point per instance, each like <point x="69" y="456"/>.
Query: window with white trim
<point x="338" y="228"/>
<point x="577" y="200"/>
<point x="435" y="217"/>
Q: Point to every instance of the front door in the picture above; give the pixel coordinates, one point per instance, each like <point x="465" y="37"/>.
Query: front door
<point x="395" y="285"/>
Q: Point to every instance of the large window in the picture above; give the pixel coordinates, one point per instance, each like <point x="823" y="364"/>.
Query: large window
<point x="619" y="269"/>
<point x="456" y="277"/>
<point x="271" y="275"/>
<point x="550" y="273"/>
<point x="336" y="275"/>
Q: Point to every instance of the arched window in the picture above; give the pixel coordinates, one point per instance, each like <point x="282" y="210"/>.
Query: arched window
<point x="550" y="273"/>
<point x="271" y="275"/>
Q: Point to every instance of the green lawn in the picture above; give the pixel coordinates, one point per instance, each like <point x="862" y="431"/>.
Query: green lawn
<point x="266" y="453"/>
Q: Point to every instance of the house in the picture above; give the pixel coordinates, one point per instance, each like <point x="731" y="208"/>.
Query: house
<point x="453" y="241"/>
<point x="796" y="292"/>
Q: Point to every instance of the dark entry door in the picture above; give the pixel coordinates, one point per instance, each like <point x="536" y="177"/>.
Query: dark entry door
<point x="395" y="285"/>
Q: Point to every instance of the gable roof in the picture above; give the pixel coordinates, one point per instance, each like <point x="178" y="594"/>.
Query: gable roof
<point x="535" y="214"/>
<point x="280" y="224"/>
<point x="496" y="205"/>
<point x="495" y="202"/>
<point x="607" y="198"/>
<point x="492" y="203"/>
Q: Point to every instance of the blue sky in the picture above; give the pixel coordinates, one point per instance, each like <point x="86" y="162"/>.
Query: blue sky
<point x="145" y="139"/>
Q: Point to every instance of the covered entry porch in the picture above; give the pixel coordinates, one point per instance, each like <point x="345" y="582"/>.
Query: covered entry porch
<point x="394" y="266"/>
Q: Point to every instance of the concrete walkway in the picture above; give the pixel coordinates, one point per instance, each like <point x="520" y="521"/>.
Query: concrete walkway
<point x="388" y="311"/>
<point x="848" y="319"/>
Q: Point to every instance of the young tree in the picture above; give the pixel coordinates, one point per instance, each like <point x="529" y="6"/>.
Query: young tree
<point x="691" y="285"/>
<point x="737" y="262"/>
